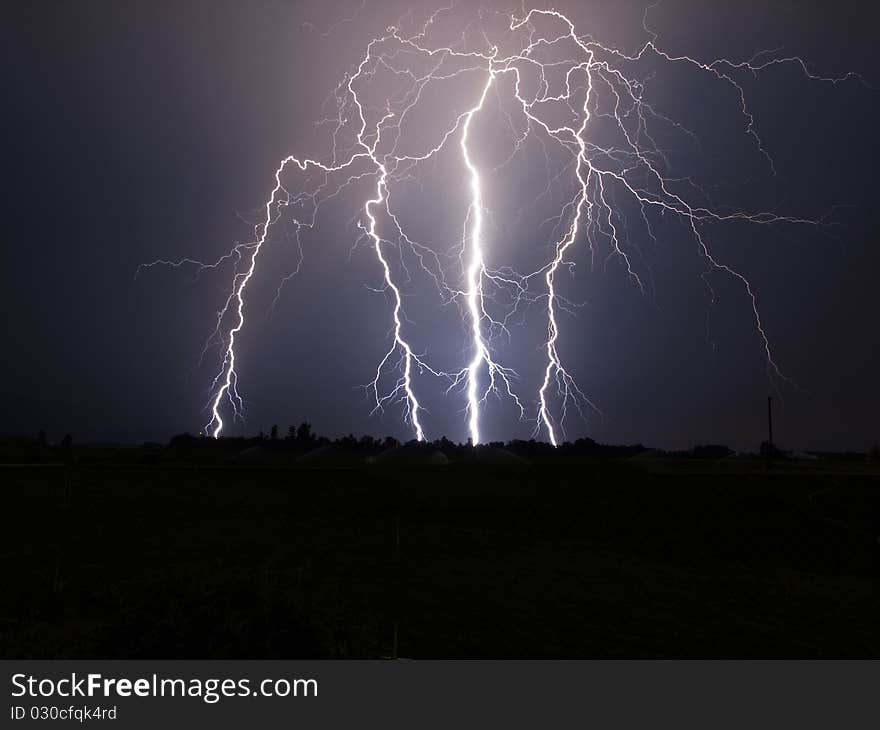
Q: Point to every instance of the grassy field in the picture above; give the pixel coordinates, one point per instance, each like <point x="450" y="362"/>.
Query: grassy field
<point x="610" y="559"/>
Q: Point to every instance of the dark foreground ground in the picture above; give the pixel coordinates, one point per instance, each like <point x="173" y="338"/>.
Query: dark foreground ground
<point x="603" y="560"/>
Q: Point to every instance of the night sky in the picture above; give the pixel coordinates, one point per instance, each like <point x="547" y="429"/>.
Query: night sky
<point x="143" y="130"/>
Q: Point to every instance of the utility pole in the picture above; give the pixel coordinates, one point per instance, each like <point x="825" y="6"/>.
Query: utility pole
<point x="769" y="432"/>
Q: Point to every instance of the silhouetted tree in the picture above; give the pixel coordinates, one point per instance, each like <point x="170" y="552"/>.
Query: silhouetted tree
<point x="66" y="449"/>
<point x="304" y="433"/>
<point x="273" y="433"/>
<point x="180" y="441"/>
<point x="711" y="451"/>
<point x="770" y="450"/>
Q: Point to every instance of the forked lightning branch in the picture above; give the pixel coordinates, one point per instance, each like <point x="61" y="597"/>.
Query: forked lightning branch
<point x="545" y="70"/>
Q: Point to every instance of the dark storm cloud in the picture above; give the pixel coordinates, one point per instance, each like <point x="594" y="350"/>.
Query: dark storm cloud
<point x="138" y="130"/>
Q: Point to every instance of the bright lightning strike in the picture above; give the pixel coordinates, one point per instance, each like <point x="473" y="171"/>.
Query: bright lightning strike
<point x="550" y="68"/>
<point x="476" y="271"/>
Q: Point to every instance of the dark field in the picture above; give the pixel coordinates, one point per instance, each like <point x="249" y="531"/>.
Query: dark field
<point x="602" y="560"/>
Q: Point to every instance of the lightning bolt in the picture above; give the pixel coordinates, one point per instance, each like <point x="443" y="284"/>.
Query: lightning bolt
<point x="476" y="271"/>
<point x="540" y="48"/>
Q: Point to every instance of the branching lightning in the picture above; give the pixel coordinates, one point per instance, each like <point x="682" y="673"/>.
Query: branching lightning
<point x="550" y="73"/>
